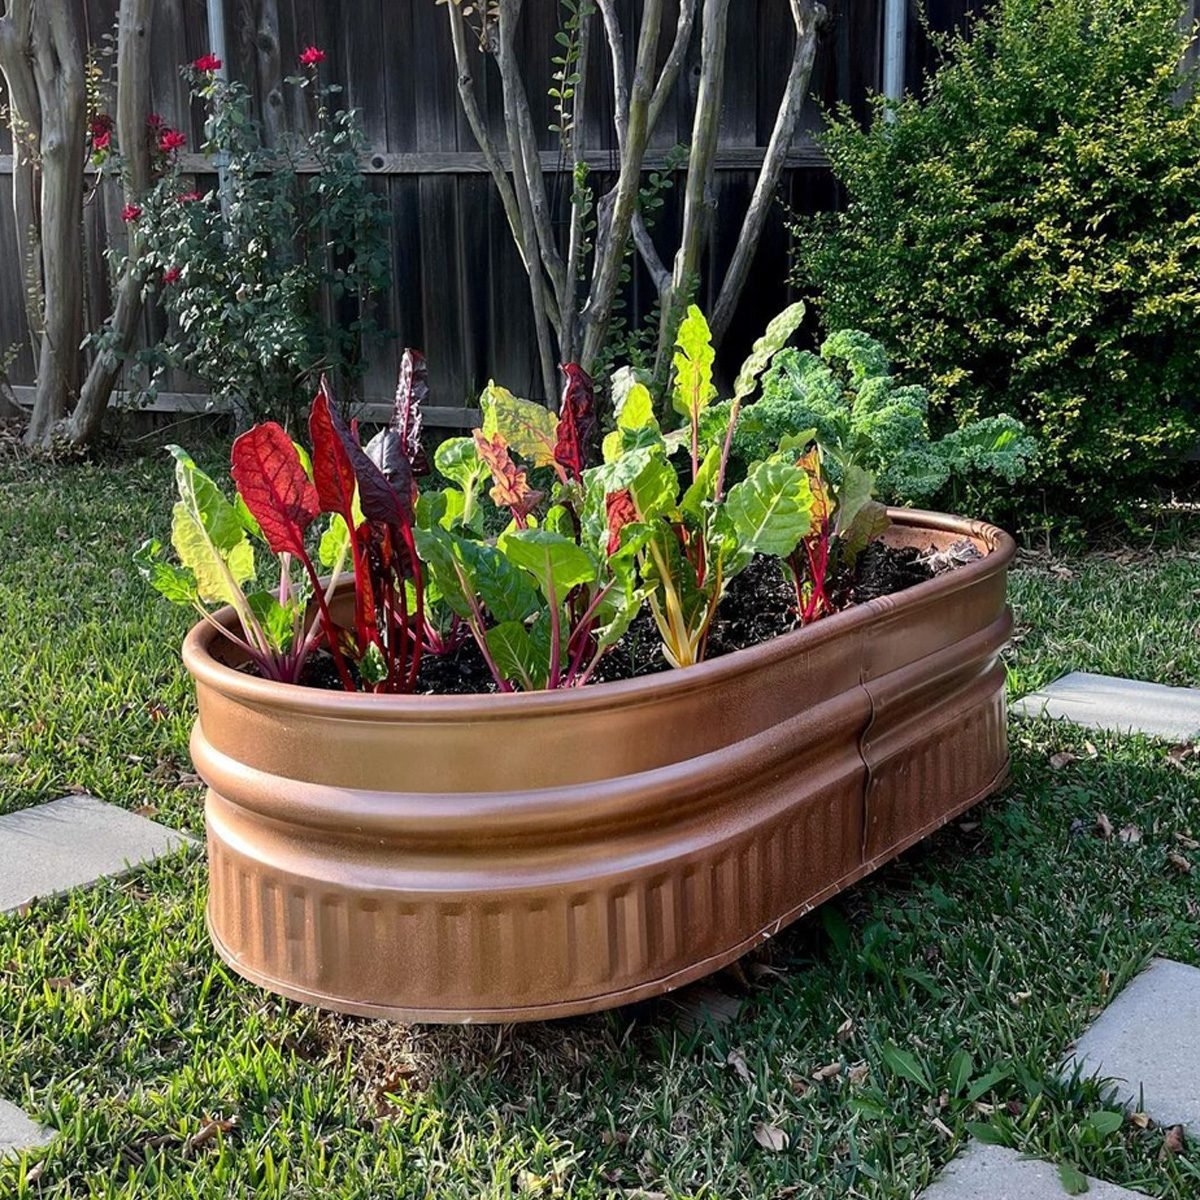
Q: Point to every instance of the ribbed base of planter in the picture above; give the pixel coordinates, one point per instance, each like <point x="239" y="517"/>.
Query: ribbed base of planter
<point x="510" y="858"/>
<point x="552" y="1011"/>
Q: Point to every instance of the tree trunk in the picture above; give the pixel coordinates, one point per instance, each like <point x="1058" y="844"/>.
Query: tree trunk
<point x="58" y="72"/>
<point x="133" y="106"/>
<point x="25" y="126"/>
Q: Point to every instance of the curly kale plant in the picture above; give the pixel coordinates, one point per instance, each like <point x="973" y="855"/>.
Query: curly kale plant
<point x="863" y="417"/>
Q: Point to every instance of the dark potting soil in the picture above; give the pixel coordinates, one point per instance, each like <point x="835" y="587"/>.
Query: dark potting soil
<point x="760" y="604"/>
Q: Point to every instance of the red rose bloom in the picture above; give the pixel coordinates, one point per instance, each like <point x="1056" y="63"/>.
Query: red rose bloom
<point x="189" y="197"/>
<point x="101" y="141"/>
<point x="310" y="56"/>
<point x="171" y="275"/>
<point x="130" y="212"/>
<point x="154" y="121"/>
<point x="100" y="124"/>
<point x="171" y="139"/>
<point x="207" y="62"/>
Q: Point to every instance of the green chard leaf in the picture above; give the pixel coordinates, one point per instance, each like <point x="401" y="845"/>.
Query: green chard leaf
<point x="208" y="535"/>
<point x="278" y="621"/>
<point x="694" y="358"/>
<point x="177" y="584"/>
<point x="520" y="658"/>
<point x="555" y="561"/>
<point x="771" y="510"/>
<point x="777" y="335"/>
<point x="529" y="429"/>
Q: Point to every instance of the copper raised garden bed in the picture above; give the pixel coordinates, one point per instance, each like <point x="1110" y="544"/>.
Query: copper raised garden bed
<point x="518" y="857"/>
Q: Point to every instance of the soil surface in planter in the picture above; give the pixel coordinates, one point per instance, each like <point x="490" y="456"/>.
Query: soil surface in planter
<point x="760" y="604"/>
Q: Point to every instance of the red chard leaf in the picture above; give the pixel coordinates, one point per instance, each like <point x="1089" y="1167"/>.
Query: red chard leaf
<point x="386" y="451"/>
<point x="621" y="511"/>
<point x="510" y="486"/>
<point x="576" y="421"/>
<point x="333" y="474"/>
<point x="412" y="390"/>
<point x="273" y="483"/>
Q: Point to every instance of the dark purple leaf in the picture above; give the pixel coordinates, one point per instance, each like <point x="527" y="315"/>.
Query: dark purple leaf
<point x="412" y="390"/>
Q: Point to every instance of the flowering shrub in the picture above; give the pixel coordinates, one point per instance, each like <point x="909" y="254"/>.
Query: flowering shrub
<point x="246" y="272"/>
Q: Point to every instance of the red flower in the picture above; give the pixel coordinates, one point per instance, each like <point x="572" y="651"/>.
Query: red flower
<point x="130" y="212"/>
<point x="100" y="124"/>
<point x="310" y="56"/>
<point x="101" y="141"/>
<point x="171" y="139"/>
<point x="154" y="121"/>
<point x="171" y="275"/>
<point x="207" y="62"/>
<point x="189" y="197"/>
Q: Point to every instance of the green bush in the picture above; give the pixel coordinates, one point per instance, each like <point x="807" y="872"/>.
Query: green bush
<point x="1025" y="237"/>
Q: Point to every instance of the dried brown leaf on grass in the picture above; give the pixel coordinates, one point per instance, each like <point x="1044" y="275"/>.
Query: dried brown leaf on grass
<point x="770" y="1137"/>
<point x="737" y="1060"/>
<point x="1179" y="862"/>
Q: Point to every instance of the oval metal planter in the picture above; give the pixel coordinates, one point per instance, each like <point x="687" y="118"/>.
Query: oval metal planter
<point x="519" y="857"/>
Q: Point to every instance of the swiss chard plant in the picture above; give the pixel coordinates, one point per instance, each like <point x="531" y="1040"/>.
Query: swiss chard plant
<point x="542" y="602"/>
<point x="368" y="495"/>
<point x="219" y="546"/>
<point x="688" y="538"/>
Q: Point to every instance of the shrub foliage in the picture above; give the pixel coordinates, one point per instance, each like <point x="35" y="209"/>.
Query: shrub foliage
<point x="1026" y="235"/>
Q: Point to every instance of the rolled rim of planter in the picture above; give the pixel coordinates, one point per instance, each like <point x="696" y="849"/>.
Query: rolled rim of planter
<point x="526" y="855"/>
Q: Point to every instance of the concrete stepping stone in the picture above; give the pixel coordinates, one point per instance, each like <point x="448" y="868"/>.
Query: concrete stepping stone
<point x="1148" y="1042"/>
<point x="996" y="1173"/>
<point x="18" y="1132"/>
<point x="1121" y="705"/>
<point x="73" y="842"/>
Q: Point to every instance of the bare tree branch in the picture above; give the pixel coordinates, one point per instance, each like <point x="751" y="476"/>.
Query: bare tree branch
<point x="659" y="274"/>
<point x="808" y="16"/>
<point x="479" y="129"/>
<point x="575" y="237"/>
<point x="25" y="125"/>
<point x="669" y="76"/>
<point x="616" y="39"/>
<point x="535" y="180"/>
<point x="698" y="200"/>
<point x="58" y="72"/>
<point x="133" y="107"/>
<point x="509" y="13"/>
<point x="613" y="236"/>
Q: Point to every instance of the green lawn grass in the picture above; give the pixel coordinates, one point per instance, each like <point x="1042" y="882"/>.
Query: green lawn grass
<point x="945" y="988"/>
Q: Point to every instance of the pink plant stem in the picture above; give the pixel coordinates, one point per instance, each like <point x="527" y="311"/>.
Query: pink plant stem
<point x="590" y="611"/>
<point x="734" y="413"/>
<point x="330" y="629"/>
<point x="419" y="610"/>
<point x="580" y="651"/>
<point x="478" y="630"/>
<point x="555" y="634"/>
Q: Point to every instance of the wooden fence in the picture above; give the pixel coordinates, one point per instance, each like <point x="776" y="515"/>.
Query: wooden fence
<point x="458" y="291"/>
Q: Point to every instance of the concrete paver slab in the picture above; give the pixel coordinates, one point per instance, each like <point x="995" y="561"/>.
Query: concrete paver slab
<point x="72" y="842"/>
<point x="1122" y="705"/>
